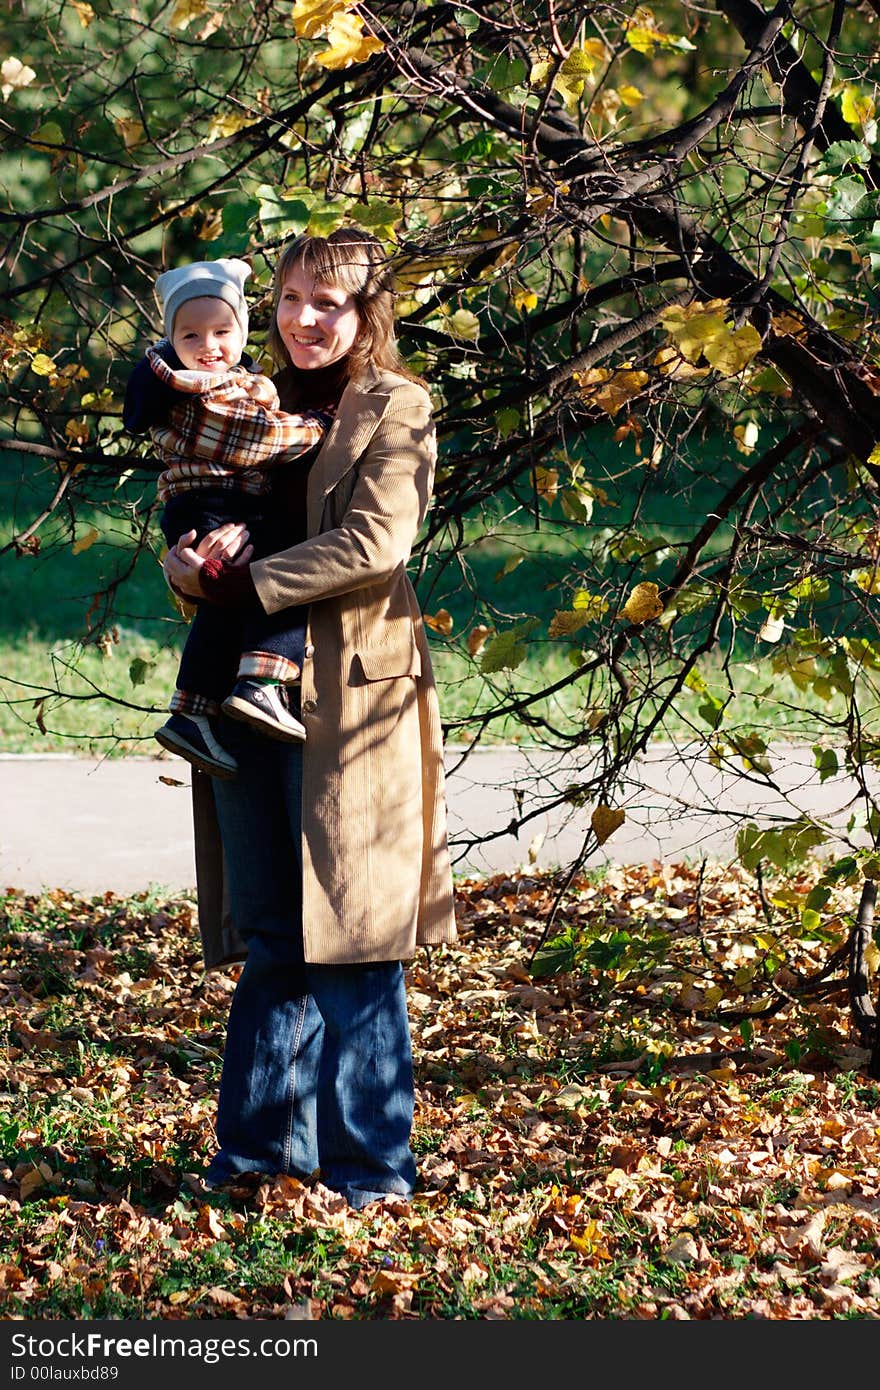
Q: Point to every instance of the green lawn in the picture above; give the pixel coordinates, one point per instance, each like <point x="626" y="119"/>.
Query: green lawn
<point x="79" y="673"/>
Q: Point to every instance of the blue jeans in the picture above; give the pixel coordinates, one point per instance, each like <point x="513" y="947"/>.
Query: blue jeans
<point x="317" y="1068"/>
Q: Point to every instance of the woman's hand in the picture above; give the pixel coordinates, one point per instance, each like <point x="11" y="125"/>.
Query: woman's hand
<point x="183" y="561"/>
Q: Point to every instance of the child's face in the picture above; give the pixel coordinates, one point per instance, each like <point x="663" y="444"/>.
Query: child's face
<point x="207" y="336"/>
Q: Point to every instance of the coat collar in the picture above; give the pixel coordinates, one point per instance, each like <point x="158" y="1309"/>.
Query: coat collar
<point x="360" y="409"/>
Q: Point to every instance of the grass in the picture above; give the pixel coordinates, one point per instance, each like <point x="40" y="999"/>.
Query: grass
<point x="82" y="674"/>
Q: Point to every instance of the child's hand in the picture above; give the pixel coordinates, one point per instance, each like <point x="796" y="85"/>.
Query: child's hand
<point x="181" y="567"/>
<point x="228" y="543"/>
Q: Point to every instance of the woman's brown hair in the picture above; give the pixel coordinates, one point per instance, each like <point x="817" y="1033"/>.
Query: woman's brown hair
<point x="355" y="261"/>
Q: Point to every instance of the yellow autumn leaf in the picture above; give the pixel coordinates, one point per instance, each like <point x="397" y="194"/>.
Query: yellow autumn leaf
<point x="642" y="33"/>
<point x="185" y="11"/>
<point x="14" y="74"/>
<point x="130" y="131"/>
<point x="590" y="53"/>
<point x="629" y="95"/>
<point x="547" y="483"/>
<point x="643" y="604"/>
<point x="606" y="105"/>
<point x="571" y="76"/>
<point x="43" y="365"/>
<point x="85" y="541"/>
<point x="610" y="389"/>
<point x="701" y="330"/>
<point x="605" y="820"/>
<point x="77" y="431"/>
<point x="588" y="603"/>
<point x="85" y="12"/>
<point x="788" y="325"/>
<point x="226" y="123"/>
<point x="641" y="39"/>
<point x="693" y="326"/>
<point x="525" y="299"/>
<point x="746" y="436"/>
<point x="441" y="621"/>
<point x="313" y="17"/>
<point x="856" y="108"/>
<point x="462" y="324"/>
<point x="730" y="352"/>
<point x="348" y="43"/>
<point x="867" y="580"/>
<point x="477" y="637"/>
<point x="565" y="621"/>
<point x="674" y="365"/>
<point x="589" y="1240"/>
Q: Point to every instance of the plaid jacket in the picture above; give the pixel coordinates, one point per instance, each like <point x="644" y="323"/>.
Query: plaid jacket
<point x="226" y="430"/>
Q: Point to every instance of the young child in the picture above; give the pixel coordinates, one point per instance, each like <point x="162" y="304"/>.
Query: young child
<point x="216" y="423"/>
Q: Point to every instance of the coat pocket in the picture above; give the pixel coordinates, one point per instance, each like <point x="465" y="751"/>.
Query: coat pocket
<point x="387" y="663"/>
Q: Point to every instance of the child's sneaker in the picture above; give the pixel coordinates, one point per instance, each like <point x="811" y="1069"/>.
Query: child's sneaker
<point x="264" y="707"/>
<point x="190" y="736"/>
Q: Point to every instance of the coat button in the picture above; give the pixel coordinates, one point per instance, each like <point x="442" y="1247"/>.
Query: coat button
<point x="309" y="706"/>
<point x="309" y="650"/>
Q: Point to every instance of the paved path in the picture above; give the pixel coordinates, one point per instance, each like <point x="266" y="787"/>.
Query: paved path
<point x="90" y="825"/>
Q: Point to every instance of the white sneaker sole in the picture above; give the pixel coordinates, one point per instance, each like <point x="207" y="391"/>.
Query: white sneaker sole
<point x="249" y="714"/>
<point x="183" y="750"/>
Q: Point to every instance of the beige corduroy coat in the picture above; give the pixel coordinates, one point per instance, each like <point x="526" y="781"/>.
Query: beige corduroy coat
<point x="377" y="879"/>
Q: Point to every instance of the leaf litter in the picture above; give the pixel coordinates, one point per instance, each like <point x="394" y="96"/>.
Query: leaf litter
<point x="638" y="1136"/>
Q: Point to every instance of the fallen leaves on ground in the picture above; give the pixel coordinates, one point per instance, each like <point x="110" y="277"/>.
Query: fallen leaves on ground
<point x="591" y="1144"/>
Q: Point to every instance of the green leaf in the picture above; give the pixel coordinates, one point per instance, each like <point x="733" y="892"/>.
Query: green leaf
<point x="505" y="73"/>
<point x="281" y="216"/>
<point x="694" y="597"/>
<point x="712" y="710"/>
<point x="557" y="957"/>
<point x="480" y="146"/>
<point x="845" y="205"/>
<point x="842" y="153"/>
<point x="508" y="649"/>
<point x="810" y="587"/>
<point x="326" y="218"/>
<point x="47" y="136"/>
<point x="845" y="869"/>
<point x="827" y="763"/>
<point x="467" y="19"/>
<point x="507" y="420"/>
<point x="810" y="920"/>
<point x="786" y="849"/>
<point x="818" y="897"/>
<point x="378" y="217"/>
<point x="139" y="670"/>
<point x="238" y="220"/>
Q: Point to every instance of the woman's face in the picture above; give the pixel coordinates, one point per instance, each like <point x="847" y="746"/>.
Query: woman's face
<point x="318" y="322"/>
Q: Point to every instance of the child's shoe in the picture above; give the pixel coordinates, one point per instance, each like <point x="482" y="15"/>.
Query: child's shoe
<point x="264" y="707"/>
<point x="190" y="736"/>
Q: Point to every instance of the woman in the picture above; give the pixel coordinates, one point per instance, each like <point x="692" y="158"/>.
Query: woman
<point x="334" y="858"/>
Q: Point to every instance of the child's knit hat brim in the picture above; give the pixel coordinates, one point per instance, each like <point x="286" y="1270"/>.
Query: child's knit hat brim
<point x="221" y="279"/>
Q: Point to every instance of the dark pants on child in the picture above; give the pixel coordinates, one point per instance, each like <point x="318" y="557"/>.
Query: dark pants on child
<point x="219" y="635"/>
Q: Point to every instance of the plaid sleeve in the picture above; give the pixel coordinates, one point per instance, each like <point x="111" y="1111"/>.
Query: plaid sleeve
<point x="233" y="425"/>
